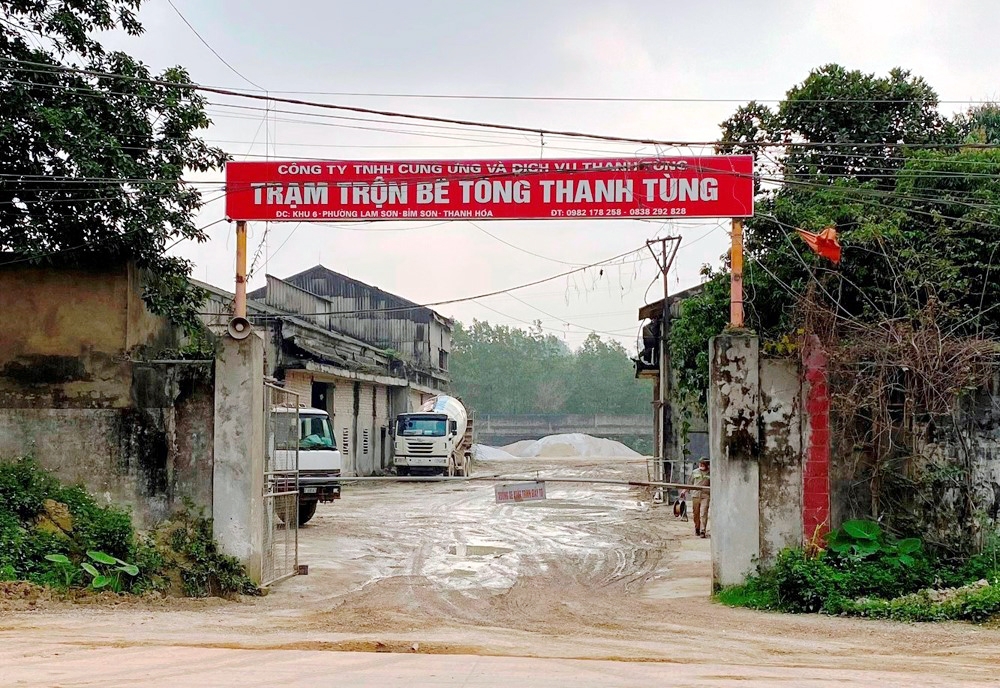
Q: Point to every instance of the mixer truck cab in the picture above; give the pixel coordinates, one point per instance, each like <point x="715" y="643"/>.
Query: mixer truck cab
<point x="319" y="460"/>
<point x="433" y="440"/>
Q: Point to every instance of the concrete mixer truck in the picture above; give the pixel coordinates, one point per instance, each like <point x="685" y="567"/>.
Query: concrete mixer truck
<point x="435" y="439"/>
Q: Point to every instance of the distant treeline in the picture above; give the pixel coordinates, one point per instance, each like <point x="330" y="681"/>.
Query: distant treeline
<point x="501" y="369"/>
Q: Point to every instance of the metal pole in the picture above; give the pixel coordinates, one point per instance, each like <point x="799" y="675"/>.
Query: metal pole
<point x="240" y="302"/>
<point x="666" y="422"/>
<point x="736" y="283"/>
<point x="518" y="479"/>
<point x="663" y="438"/>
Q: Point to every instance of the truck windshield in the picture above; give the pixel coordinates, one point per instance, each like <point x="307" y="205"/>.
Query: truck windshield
<point x="425" y="427"/>
<point x="314" y="432"/>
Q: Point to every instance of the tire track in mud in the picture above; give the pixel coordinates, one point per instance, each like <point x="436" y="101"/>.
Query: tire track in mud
<point x="550" y="566"/>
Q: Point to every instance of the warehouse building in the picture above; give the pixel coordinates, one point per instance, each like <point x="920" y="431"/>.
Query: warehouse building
<point x="360" y="353"/>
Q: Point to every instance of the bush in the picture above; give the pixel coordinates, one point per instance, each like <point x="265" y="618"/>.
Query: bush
<point x="976" y="603"/>
<point x="803" y="583"/>
<point x="95" y="527"/>
<point x="865" y="573"/>
<point x="31" y="553"/>
<point x="203" y="570"/>
<point x="24" y="487"/>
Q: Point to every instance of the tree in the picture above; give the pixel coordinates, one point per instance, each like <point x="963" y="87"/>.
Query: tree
<point x="93" y="147"/>
<point x="874" y="157"/>
<point x="603" y="380"/>
<point x="501" y="369"/>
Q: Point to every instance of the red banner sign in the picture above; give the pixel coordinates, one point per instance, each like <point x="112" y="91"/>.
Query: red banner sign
<point x="586" y="188"/>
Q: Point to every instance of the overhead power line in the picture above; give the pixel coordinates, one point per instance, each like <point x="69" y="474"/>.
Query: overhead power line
<point x="624" y="99"/>
<point x="213" y="50"/>
<point x="465" y="299"/>
<point x="42" y="67"/>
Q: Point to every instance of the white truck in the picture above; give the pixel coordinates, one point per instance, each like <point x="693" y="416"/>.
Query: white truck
<point x="319" y="463"/>
<point x="435" y="439"/>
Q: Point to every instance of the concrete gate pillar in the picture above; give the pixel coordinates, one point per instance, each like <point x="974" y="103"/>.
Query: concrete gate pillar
<point x="238" y="481"/>
<point x="734" y="391"/>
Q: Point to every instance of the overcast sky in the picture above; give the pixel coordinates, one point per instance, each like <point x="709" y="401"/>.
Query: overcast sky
<point x="730" y="51"/>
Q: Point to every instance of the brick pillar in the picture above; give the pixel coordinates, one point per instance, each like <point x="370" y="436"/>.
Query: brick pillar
<point x="816" y="441"/>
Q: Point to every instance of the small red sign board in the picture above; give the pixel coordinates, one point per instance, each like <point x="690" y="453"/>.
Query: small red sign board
<point x="585" y="188"/>
<point x="520" y="492"/>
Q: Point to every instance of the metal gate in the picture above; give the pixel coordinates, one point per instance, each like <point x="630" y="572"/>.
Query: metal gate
<point x="280" y="511"/>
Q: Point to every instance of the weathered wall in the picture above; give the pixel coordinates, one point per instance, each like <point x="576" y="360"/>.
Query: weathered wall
<point x="149" y="457"/>
<point x="734" y="512"/>
<point x="66" y="333"/>
<point x="780" y="476"/>
<point x="942" y="480"/>
<point x="71" y="395"/>
<point x="785" y="469"/>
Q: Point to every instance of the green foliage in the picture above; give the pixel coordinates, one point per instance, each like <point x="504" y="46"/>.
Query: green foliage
<point x="915" y="223"/>
<point x="501" y="369"/>
<point x="65" y="566"/>
<point x="866" y="573"/>
<point x="109" y="575"/>
<point x="204" y="570"/>
<point x="102" y="544"/>
<point x="60" y="126"/>
<point x="702" y="317"/>
<point x="972" y="603"/>
<point x="23" y="488"/>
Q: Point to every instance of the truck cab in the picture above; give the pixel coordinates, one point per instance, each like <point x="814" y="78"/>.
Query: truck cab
<point x="423" y="442"/>
<point x="319" y="464"/>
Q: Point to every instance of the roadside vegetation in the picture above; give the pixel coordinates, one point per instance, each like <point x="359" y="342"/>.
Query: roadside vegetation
<point x="864" y="572"/>
<point x="58" y="536"/>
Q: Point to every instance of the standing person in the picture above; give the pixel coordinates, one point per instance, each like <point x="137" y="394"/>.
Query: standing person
<point x="699" y="500"/>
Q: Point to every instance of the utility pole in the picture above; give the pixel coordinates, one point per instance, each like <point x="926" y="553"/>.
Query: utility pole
<point x="240" y="302"/>
<point x="662" y="454"/>
<point x="736" y="279"/>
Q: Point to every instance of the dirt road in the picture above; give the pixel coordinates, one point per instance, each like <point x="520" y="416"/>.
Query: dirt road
<point x="594" y="572"/>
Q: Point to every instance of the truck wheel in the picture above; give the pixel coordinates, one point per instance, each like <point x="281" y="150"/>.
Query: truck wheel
<point x="306" y="512"/>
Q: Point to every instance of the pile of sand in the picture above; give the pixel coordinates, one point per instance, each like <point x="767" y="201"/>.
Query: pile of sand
<point x="576" y="444"/>
<point x="484" y="453"/>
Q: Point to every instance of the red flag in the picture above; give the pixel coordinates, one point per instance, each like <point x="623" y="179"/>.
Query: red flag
<point x="825" y="243"/>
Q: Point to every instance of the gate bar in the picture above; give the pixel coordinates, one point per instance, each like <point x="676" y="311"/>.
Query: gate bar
<point x="512" y="479"/>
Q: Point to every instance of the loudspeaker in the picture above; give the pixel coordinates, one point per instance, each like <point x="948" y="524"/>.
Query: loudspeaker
<point x="239" y="328"/>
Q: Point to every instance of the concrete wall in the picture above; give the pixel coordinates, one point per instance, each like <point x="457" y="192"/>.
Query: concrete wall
<point x="757" y="428"/>
<point x="75" y="395"/>
<point x="67" y="334"/>
<point x="785" y="470"/>
<point x="780" y="462"/>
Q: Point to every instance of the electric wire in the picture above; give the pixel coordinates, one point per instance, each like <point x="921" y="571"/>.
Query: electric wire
<point x="42" y="67"/>
<point x="213" y="50"/>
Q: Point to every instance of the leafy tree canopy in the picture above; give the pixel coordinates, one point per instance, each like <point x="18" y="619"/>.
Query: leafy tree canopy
<point x="92" y="162"/>
<point x="913" y="195"/>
